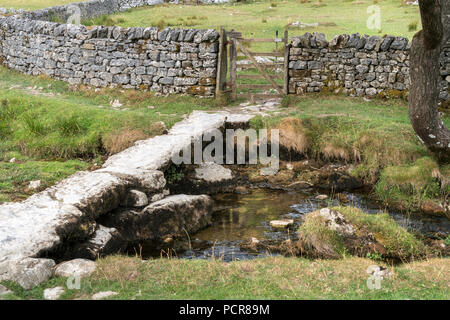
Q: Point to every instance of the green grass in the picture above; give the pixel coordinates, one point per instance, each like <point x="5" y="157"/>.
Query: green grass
<point x="258" y="19"/>
<point x="44" y="121"/>
<point x="412" y="184"/>
<point x="396" y="239"/>
<point x="14" y="177"/>
<point x="325" y="242"/>
<point x="34" y="4"/>
<point x="268" y="278"/>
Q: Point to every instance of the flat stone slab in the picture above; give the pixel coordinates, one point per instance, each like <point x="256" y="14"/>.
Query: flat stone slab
<point x="212" y="172"/>
<point x="172" y="216"/>
<point x="35" y="225"/>
<point x="149" y="181"/>
<point x="238" y="121"/>
<point x="94" y="193"/>
<point x="156" y="153"/>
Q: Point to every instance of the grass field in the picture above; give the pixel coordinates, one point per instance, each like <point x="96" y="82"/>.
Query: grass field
<point x="261" y="19"/>
<point x="34" y="4"/>
<point x="268" y="278"/>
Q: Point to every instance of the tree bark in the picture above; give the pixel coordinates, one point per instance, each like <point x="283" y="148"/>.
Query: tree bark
<point x="425" y="74"/>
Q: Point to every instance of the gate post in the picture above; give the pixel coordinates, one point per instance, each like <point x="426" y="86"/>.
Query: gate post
<point x="221" y="77"/>
<point x="287" y="47"/>
<point x="233" y="68"/>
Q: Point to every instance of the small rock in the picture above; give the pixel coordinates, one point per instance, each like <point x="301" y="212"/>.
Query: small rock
<point x="115" y="104"/>
<point x="322" y="197"/>
<point x="336" y="221"/>
<point x="290" y="166"/>
<point x="53" y="293"/>
<point x="33" y="185"/>
<point x="4" y="291"/>
<point x="160" y="196"/>
<point x="168" y="240"/>
<point x="103" y="295"/>
<point x="135" y="198"/>
<point x="241" y="190"/>
<point x="254" y="240"/>
<point x="76" y="267"/>
<point x="281" y="223"/>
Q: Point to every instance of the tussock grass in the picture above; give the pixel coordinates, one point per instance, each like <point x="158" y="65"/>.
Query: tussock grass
<point x="317" y="238"/>
<point x="410" y="185"/>
<point x="396" y="239"/>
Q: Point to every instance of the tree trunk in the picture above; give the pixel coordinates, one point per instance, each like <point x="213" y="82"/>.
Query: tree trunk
<point x="425" y="74"/>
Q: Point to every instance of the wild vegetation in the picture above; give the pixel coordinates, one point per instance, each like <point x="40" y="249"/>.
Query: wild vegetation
<point x="392" y="242"/>
<point x="268" y="278"/>
<point x="376" y="136"/>
<point x="52" y="130"/>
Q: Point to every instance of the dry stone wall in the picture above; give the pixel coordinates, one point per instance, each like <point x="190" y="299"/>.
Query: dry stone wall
<point x="355" y="65"/>
<point x="185" y="61"/>
<point x="166" y="61"/>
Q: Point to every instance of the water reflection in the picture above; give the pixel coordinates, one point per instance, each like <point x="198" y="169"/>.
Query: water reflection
<point x="239" y="218"/>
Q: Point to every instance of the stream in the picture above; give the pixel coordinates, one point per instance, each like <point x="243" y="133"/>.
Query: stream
<point x="241" y="217"/>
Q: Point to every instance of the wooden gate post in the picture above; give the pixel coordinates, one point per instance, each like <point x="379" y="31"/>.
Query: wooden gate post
<point x="287" y="47"/>
<point x="233" y="68"/>
<point x="221" y="77"/>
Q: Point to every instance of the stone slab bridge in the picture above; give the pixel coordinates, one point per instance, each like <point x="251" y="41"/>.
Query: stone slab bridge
<point x="128" y="195"/>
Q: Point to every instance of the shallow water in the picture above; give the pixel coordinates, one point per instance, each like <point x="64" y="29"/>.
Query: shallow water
<point x="240" y="217"/>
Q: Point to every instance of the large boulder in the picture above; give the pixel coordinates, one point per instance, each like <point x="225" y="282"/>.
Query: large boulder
<point x="28" y="272"/>
<point x="170" y="217"/>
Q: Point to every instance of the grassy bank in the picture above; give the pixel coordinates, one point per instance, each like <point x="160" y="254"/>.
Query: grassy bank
<point x="388" y="240"/>
<point x="53" y="130"/>
<point x="268" y="278"/>
<point x="375" y="136"/>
